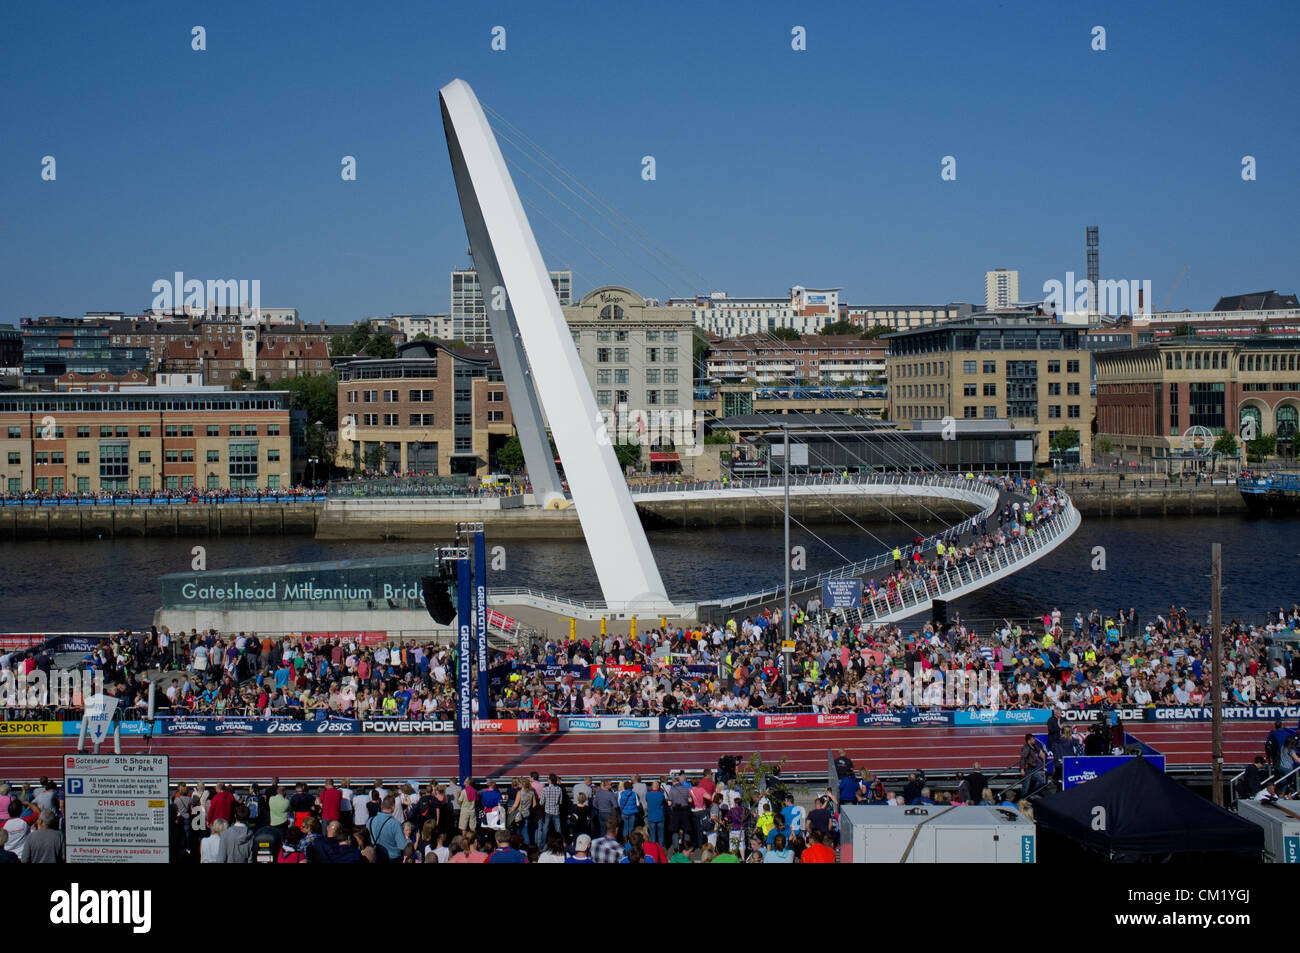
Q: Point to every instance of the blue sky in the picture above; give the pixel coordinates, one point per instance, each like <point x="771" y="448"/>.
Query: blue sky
<point x="773" y="167"/>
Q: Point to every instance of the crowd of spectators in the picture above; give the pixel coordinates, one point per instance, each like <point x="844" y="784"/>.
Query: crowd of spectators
<point x="188" y="494"/>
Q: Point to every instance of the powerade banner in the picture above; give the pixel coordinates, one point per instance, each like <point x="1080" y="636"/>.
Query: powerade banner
<point x="608" y="723"/>
<point x="1230" y="713"/>
<point x="709" y="722"/>
<point x="233" y="726"/>
<point x="1015" y="716"/>
<point x="1076" y="771"/>
<point x="841" y="593"/>
<point x="403" y="726"/>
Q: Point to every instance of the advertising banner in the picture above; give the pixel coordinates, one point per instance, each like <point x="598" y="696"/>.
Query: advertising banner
<point x="522" y="726"/>
<point x="616" y="670"/>
<point x="363" y="638"/>
<point x="709" y="723"/>
<point x="28" y="729"/>
<point x="836" y="720"/>
<point x="498" y="676"/>
<point x="841" y="593"/>
<point x="231" y="726"/>
<point x="608" y="723"/>
<point x="1015" y="716"/>
<point x="1230" y="713"/>
<point x="1076" y="771"/>
<point x="402" y="726"/>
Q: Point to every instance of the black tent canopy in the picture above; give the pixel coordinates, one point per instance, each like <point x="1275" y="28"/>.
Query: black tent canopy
<point x="1137" y="811"/>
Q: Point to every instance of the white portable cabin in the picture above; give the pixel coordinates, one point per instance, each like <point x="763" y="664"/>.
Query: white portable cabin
<point x="1281" y="829"/>
<point x="935" y="834"/>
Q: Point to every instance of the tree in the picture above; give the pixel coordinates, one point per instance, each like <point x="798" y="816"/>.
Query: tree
<point x="700" y="352"/>
<point x="1183" y="330"/>
<point x="1064" y="440"/>
<point x="422" y="336"/>
<point x="1225" y="444"/>
<point x="1104" y="445"/>
<point x="355" y="342"/>
<point x="628" y="454"/>
<point x="841" y="327"/>
<point x="377" y="457"/>
<point x="381" y="345"/>
<point x="875" y="331"/>
<point x="511" y="455"/>
<point x="751" y="775"/>
<point x="785" y="334"/>
<point x="1261" y="447"/>
<point x="317" y="394"/>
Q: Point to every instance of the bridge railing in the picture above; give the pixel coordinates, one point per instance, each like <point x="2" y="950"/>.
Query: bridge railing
<point x="914" y="594"/>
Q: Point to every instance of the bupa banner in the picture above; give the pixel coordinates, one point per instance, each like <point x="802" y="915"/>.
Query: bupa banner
<point x="73" y="728"/>
<point x="834" y="720"/>
<point x="841" y="593"/>
<point x="709" y="722"/>
<point x="1076" y="771"/>
<point x="515" y="725"/>
<point x="608" y="723"/>
<point x="1014" y="716"/>
<point x="402" y="726"/>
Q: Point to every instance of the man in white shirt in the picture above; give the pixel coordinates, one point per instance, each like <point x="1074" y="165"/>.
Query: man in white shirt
<point x="16" y="827"/>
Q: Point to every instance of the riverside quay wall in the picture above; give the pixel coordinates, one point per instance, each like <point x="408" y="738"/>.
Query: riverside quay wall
<point x="426" y="519"/>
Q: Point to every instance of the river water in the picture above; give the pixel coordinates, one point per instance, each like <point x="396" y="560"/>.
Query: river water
<point x="96" y="585"/>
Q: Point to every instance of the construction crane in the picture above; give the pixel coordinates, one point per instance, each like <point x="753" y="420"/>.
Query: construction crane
<point x="1165" y="306"/>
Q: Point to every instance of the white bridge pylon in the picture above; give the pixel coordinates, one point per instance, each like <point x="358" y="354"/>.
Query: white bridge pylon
<point x="505" y="251"/>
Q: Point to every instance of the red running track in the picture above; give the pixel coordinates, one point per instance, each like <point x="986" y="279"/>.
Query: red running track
<point x="576" y="754"/>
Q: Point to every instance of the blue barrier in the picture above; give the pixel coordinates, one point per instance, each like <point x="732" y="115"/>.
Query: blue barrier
<point x="234" y="725"/>
<point x="708" y="723"/>
<point x="1015" y="716"/>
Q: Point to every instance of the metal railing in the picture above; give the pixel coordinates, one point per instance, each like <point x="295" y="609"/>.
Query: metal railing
<point x="987" y="564"/>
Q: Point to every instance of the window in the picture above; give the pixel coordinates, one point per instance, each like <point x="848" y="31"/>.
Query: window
<point x="242" y="457"/>
<point x="236" y="430"/>
<point x="214" y="430"/>
<point x="114" y="465"/>
<point x="496" y="416"/>
<point x="56" y="457"/>
<point x="968" y="412"/>
<point x="214" y="481"/>
<point x="670" y="375"/>
<point x="602" y="375"/>
<point x="105" y="432"/>
<point x="990" y="390"/>
<point x="146" y="484"/>
<point x="390" y="420"/>
<point x="603" y="336"/>
<point x="56" y="484"/>
<point x="670" y="335"/>
<point x="421" y="396"/>
<point x="370" y="420"/>
<point x="370" y="397"/>
<point x="81" y="432"/>
<point x="622" y="375"/>
<point x="652" y="375"/>
<point x="1053" y="367"/>
<point x="670" y="355"/>
<point x="273" y="430"/>
<point x="968" y="390"/>
<point x="83" y="456"/>
<point x="990" y="412"/>
<point x="1073" y="411"/>
<point x="273" y="456"/>
<point x="173" y="483"/>
<point x="187" y="430"/>
<point x="421" y="420"/>
<point x="146" y="456"/>
<point x="602" y="398"/>
<point x="390" y="396"/>
<point x="1072" y="388"/>
<point x="15" y="457"/>
<point x="1054" y="411"/>
<point x="171" y="430"/>
<point x="968" y="367"/>
<point x="187" y="456"/>
<point x="990" y="367"/>
<point x="652" y="335"/>
<point x="1072" y="367"/>
<point x="144" y="431"/>
<point x="273" y="481"/>
<point x="652" y="397"/>
<point x="496" y="396"/>
<point x="670" y="397"/>
<point x="171" y="456"/>
<point x="1173" y="409"/>
<point x="42" y="484"/>
<point x="602" y="355"/>
<point x="250" y="430"/>
<point x="83" y="484"/>
<point x="620" y="335"/>
<point x="187" y="482"/>
<point x="1054" y="389"/>
<point x="16" y="433"/>
<point x="352" y="397"/>
<point x="620" y="355"/>
<point x="214" y="456"/>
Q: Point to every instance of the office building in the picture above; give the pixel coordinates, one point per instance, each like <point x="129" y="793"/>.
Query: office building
<point x="816" y="358"/>
<point x="469" y="322"/>
<point x="146" y="439"/>
<point x="1001" y="288"/>
<point x="1010" y="365"/>
<point x="805" y="310"/>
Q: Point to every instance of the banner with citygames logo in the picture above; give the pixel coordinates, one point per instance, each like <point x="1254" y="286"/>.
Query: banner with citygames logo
<point x="709" y="722"/>
<point x="515" y="725"/>
<point x="1230" y="713"/>
<point x="231" y="726"/>
<point x="1014" y="716"/>
<point x="501" y="673"/>
<point x="1076" y="771"/>
<point x="402" y="726"/>
<point x="608" y="723"/>
<point x="693" y="671"/>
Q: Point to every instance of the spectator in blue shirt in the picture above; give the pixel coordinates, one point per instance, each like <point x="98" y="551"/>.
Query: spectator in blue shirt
<point x="848" y="789"/>
<point x="507" y="852"/>
<point x="386" y="831"/>
<point x="628" y="807"/>
<point x="655" y="801"/>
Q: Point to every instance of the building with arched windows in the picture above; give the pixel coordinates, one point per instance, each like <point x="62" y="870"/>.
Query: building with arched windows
<point x="1148" y="397"/>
